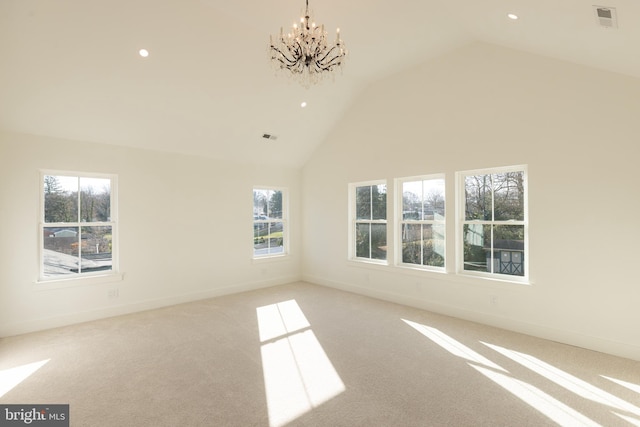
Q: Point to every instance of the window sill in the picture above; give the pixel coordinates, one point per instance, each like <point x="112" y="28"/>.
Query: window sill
<point x="364" y="262"/>
<point x="462" y="278"/>
<point x="472" y="278"/>
<point x="270" y="258"/>
<point x="45" y="285"/>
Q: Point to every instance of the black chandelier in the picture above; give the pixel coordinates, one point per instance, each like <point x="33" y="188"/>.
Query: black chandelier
<point x="306" y="53"/>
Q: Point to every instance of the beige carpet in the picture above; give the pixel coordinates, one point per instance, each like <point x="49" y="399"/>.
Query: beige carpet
<point x="304" y="355"/>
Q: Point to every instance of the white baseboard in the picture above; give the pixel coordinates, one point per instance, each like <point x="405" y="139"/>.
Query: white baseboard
<point x="577" y="339"/>
<point x="35" y="325"/>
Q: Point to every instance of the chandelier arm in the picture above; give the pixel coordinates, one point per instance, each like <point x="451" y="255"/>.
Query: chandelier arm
<point x="329" y="53"/>
<point x="297" y="50"/>
<point x="282" y="56"/>
<point x="293" y="52"/>
<point x="337" y="60"/>
<point x="286" y="65"/>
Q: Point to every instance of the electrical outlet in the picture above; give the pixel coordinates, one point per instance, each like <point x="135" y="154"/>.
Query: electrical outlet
<point x="113" y="293"/>
<point x="493" y="300"/>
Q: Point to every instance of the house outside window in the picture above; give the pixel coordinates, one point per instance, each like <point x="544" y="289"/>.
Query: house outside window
<point x="270" y="233"/>
<point x="493" y="227"/>
<point x="78" y="225"/>
<point x="368" y="225"/>
<point x="421" y="224"/>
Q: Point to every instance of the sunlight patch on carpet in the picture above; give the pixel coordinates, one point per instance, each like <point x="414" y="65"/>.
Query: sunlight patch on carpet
<point x="278" y="320"/>
<point x="452" y="346"/>
<point x="630" y="386"/>
<point x="9" y="378"/>
<point x="552" y="408"/>
<point x="298" y="375"/>
<point x="566" y="380"/>
<point x="630" y="420"/>
<point x="536" y="398"/>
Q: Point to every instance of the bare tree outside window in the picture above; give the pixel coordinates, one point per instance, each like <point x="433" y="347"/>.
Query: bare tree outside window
<point x="494" y="225"/>
<point x="77" y="228"/>
<point x="370" y="222"/>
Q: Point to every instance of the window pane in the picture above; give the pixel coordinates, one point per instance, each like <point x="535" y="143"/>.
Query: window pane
<point x="378" y="241"/>
<point x="412" y="243"/>
<point x="363" y="202"/>
<point x="412" y="200"/>
<point x="363" y="233"/>
<point x="275" y="238"/>
<point x="379" y="201"/>
<point x="433" y="247"/>
<point x="477" y="191"/>
<point x="260" y="239"/>
<point x="508" y="249"/>
<point x="268" y="227"/>
<point x="433" y="199"/>
<point x="260" y="204"/>
<point x="95" y="199"/>
<point x="477" y="245"/>
<point x="60" y="253"/>
<point x="508" y="196"/>
<point x="96" y="249"/>
<point x="275" y="204"/>
<point x="60" y="199"/>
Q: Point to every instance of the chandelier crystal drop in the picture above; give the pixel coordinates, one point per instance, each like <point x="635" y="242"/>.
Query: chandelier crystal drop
<point x="306" y="53"/>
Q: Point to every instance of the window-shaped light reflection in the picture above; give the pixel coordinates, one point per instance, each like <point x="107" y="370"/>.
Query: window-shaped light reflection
<point x="298" y="375"/>
<point x="630" y="386"/>
<point x="630" y="420"/>
<point x="566" y="380"/>
<point x="452" y="346"/>
<point x="542" y="402"/>
<point x="547" y="405"/>
<point x="9" y="378"/>
<point x="280" y="319"/>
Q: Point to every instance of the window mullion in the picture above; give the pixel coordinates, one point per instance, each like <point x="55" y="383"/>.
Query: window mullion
<point x="79" y="219"/>
<point x="422" y="243"/>
<point x="371" y="202"/>
<point x="493" y="219"/>
<point x="370" y="220"/>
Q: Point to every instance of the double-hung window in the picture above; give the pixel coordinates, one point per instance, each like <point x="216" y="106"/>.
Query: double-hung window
<point x="493" y="223"/>
<point x="421" y="226"/>
<point x="78" y="225"/>
<point x="368" y="237"/>
<point x="270" y="233"/>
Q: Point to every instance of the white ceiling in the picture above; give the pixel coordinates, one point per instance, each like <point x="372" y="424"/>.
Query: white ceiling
<point x="70" y="68"/>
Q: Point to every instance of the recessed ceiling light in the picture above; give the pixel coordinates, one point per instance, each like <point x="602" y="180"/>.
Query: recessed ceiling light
<point x="143" y="52"/>
<point x="512" y="16"/>
<point x="303" y="104"/>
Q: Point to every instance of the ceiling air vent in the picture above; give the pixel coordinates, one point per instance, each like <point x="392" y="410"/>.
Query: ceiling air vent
<point x="606" y="16"/>
<point x="269" y="136"/>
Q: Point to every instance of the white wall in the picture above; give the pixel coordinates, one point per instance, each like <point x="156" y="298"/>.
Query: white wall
<point x="185" y="231"/>
<point x="483" y="106"/>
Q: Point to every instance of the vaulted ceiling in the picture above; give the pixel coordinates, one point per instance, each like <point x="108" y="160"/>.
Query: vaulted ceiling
<point x="71" y="69"/>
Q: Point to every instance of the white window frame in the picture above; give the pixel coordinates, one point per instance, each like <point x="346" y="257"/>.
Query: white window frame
<point x="284" y="221"/>
<point x="353" y="221"/>
<point x="400" y="221"/>
<point x="461" y="222"/>
<point x="80" y="277"/>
